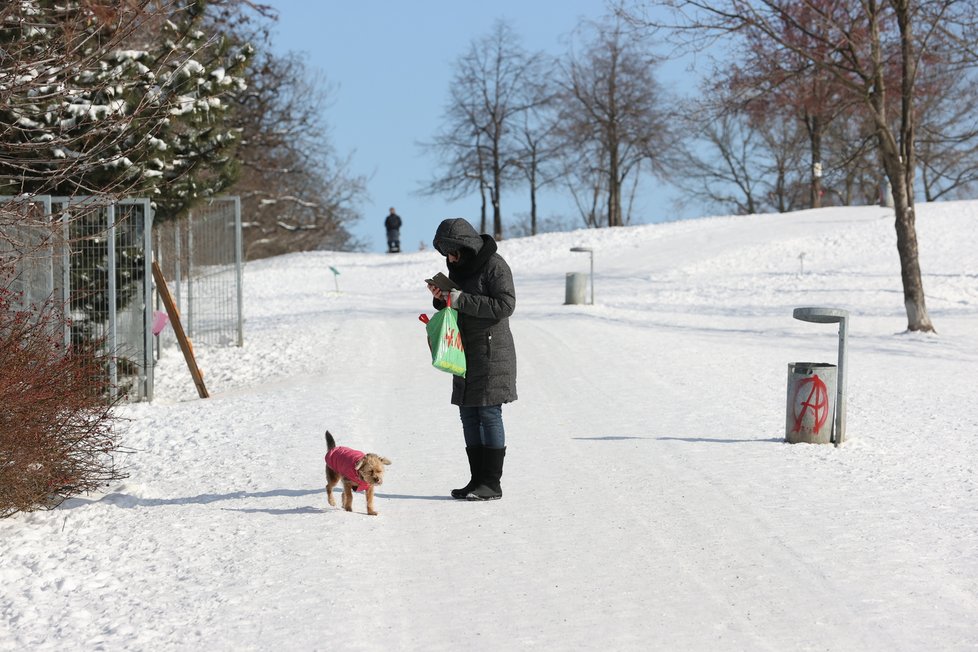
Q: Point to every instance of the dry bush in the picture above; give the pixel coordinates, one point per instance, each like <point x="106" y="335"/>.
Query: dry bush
<point x="56" y="425"/>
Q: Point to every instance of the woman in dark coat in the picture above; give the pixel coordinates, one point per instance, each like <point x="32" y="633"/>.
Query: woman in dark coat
<point x="485" y="298"/>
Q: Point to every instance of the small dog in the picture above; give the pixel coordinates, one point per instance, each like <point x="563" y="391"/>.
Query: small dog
<point x="359" y="472"/>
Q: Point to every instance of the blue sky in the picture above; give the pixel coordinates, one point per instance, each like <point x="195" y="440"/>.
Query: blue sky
<point x="391" y="64"/>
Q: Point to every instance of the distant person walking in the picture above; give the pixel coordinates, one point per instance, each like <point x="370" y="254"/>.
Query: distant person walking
<point x="393" y="225"/>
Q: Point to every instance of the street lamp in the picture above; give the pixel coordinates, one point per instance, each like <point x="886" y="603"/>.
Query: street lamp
<point x="590" y="251"/>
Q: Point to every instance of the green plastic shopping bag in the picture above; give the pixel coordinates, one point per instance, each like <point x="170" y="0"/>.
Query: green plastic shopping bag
<point x="445" y="341"/>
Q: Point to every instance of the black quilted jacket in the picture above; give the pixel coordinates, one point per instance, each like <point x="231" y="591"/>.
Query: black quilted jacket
<point x="488" y="299"/>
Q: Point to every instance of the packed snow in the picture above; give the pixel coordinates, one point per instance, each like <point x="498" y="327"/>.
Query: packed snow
<point x="650" y="501"/>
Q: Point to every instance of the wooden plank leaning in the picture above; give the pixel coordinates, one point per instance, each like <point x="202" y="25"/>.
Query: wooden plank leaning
<point x="174" y="315"/>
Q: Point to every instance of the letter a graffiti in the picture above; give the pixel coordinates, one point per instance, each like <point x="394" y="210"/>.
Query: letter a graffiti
<point x="817" y="402"/>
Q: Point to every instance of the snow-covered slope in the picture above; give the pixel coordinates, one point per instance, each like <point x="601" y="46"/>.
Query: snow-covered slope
<point x="650" y="502"/>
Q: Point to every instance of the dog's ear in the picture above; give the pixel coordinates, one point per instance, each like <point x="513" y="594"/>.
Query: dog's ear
<point x="384" y="460"/>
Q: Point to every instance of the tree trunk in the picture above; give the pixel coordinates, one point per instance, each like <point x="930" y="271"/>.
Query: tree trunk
<point x="898" y="172"/>
<point x="497" y="218"/>
<point x="814" y="125"/>
<point x="906" y="216"/>
<point x="533" y="208"/>
<point x="482" y="223"/>
<point x="898" y="162"/>
<point x="614" y="186"/>
<point x="906" y="230"/>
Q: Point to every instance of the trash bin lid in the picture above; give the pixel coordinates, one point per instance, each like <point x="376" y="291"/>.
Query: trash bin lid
<point x="820" y="315"/>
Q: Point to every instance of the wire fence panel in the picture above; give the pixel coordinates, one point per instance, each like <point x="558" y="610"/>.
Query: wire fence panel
<point x="133" y="263"/>
<point x="31" y="249"/>
<point x="110" y="288"/>
<point x="201" y="259"/>
<point x="93" y="259"/>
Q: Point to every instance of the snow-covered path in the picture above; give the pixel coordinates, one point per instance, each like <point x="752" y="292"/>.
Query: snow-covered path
<point x="649" y="500"/>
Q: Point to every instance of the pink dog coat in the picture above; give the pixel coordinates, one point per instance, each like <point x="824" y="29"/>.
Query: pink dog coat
<point x="344" y="460"/>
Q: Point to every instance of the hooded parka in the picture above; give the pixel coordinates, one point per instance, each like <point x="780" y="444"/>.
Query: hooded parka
<point x="488" y="299"/>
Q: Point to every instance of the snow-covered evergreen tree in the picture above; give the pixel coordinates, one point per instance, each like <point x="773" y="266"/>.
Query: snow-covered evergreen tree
<point x="200" y="72"/>
<point x="104" y="100"/>
<point x="109" y="99"/>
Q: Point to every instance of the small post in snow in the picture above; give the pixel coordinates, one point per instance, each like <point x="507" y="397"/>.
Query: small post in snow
<point x="590" y="252"/>
<point x="336" y="278"/>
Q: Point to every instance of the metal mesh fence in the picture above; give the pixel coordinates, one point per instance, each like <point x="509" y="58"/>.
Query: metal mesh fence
<point x="31" y="251"/>
<point x="92" y="258"/>
<point x="202" y="262"/>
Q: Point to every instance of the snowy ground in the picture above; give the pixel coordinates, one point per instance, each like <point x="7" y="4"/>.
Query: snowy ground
<point x="650" y="502"/>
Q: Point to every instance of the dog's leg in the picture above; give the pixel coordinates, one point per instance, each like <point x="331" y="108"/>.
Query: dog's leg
<point x="332" y="477"/>
<point x="347" y="496"/>
<point x="370" y="501"/>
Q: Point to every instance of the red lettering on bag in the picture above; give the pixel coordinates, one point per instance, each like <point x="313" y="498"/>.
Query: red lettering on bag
<point x="453" y="339"/>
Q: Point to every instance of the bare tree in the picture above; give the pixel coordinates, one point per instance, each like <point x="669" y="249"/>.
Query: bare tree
<point x="538" y="149"/>
<point x="860" y="45"/>
<point x="855" y="176"/>
<point x="722" y="160"/>
<point x="947" y="134"/>
<point x="772" y="80"/>
<point x="791" y="182"/>
<point x="587" y="185"/>
<point x="299" y="194"/>
<point x="494" y="83"/>
<point x="736" y="157"/>
<point x="612" y="116"/>
<point x="463" y="165"/>
<point x="296" y="191"/>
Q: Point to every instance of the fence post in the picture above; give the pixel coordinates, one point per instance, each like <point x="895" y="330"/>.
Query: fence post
<point x="113" y="331"/>
<point x="148" y="361"/>
<point x="239" y="267"/>
<point x="66" y="272"/>
<point x="190" y="274"/>
<point x="177" y="262"/>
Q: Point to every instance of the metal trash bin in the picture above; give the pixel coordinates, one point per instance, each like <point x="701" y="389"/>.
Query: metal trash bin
<point x="574" y="291"/>
<point x="811" y="406"/>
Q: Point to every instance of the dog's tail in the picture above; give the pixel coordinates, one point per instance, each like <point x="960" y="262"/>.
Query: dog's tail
<point x="330" y="442"/>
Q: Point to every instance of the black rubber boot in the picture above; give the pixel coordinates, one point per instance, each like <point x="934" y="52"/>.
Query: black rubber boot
<point x="473" y="455"/>
<point x="491" y="471"/>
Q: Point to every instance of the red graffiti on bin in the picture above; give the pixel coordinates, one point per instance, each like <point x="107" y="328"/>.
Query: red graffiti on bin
<point x="817" y="402"/>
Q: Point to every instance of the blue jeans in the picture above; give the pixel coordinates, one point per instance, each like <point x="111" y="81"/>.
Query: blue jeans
<point x="483" y="426"/>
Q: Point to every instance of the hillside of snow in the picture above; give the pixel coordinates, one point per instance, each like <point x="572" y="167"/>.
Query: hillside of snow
<point x="650" y="501"/>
